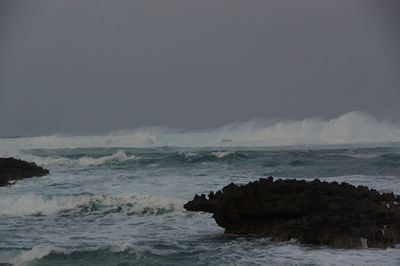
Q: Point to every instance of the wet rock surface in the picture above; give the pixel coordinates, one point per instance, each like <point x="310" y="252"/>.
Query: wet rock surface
<point x="318" y="213"/>
<point x="14" y="169"/>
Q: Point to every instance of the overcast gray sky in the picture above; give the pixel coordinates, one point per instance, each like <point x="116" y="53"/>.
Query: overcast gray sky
<point x="95" y="65"/>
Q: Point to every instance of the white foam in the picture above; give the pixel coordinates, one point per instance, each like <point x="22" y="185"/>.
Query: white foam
<point x="221" y="154"/>
<point x="120" y="247"/>
<point x="119" y="156"/>
<point x="37" y="252"/>
<point x="354" y="127"/>
<point x="47" y="160"/>
<point x="142" y="137"/>
<point x="190" y="154"/>
<point x="134" y="203"/>
<point x="33" y="204"/>
<point x="350" y="128"/>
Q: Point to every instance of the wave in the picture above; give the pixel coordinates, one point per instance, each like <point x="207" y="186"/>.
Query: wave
<point x="41" y="251"/>
<point x="257" y="252"/>
<point x="119" y="156"/>
<point x="215" y="154"/>
<point x="387" y="160"/>
<point x="129" y="204"/>
<point x="37" y="252"/>
<point x="350" y="128"/>
<point x="19" y="257"/>
<point x="192" y="157"/>
<point x="222" y="154"/>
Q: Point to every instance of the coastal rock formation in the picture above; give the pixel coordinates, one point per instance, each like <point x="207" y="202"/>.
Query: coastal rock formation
<point x="14" y="169"/>
<point x="318" y="213"/>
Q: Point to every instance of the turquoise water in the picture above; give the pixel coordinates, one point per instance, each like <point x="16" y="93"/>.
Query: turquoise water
<point x="123" y="206"/>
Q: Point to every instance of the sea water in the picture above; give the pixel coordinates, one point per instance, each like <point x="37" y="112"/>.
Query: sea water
<point x="118" y="199"/>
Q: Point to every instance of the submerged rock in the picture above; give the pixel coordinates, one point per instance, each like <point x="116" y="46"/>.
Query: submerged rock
<point x="318" y="213"/>
<point x="14" y="169"/>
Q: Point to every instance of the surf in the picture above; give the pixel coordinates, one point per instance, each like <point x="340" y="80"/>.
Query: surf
<point x="127" y="204"/>
<point x="350" y="128"/>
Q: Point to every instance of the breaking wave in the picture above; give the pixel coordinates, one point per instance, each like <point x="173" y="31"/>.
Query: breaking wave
<point x="37" y="252"/>
<point x="256" y="252"/>
<point x="129" y="204"/>
<point x="41" y="251"/>
<point x="213" y="156"/>
<point x="350" y="128"/>
<point x="19" y="257"/>
<point x="119" y="156"/>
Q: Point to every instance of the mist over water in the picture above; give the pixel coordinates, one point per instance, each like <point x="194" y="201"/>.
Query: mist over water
<point x="350" y="128"/>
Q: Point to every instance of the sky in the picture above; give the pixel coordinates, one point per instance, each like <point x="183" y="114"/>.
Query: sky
<point x="97" y="66"/>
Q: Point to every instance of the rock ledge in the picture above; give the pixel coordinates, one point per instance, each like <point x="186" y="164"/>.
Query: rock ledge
<point x="318" y="213"/>
<point x="14" y="169"/>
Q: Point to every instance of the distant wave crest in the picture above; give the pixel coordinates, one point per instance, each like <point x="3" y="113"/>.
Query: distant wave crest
<point x="119" y="156"/>
<point x="350" y="128"/>
<point x="122" y="158"/>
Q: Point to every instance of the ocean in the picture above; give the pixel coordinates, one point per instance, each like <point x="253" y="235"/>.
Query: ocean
<point x="117" y="199"/>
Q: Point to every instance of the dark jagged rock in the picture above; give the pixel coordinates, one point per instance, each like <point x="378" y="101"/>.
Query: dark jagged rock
<point x="319" y="213"/>
<point x="14" y="169"/>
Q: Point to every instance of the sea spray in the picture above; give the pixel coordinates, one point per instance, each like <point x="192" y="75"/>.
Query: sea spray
<point x="350" y="128"/>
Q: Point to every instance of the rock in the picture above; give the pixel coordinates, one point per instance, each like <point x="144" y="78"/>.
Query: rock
<point x="14" y="169"/>
<point x="318" y="213"/>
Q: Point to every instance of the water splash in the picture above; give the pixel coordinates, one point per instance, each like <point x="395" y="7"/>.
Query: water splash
<point x="354" y="127"/>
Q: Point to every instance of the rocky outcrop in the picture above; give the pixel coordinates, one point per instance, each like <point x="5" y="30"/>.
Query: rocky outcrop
<point x="14" y="169"/>
<point x="319" y="213"/>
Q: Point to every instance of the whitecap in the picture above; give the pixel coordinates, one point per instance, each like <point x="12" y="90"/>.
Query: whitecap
<point x="221" y="154"/>
<point x="37" y="252"/>
<point x="132" y="203"/>
<point x="350" y="128"/>
<point x="119" y="156"/>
